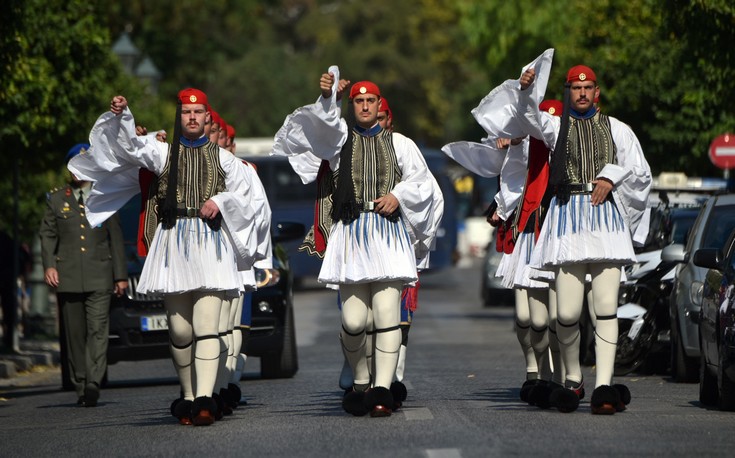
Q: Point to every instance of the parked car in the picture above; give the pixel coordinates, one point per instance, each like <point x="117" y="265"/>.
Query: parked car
<point x="714" y="223"/>
<point x="717" y="326"/>
<point x="139" y="327"/>
<point x="491" y="287"/>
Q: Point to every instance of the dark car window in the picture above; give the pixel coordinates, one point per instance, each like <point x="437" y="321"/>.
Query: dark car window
<point x="287" y="186"/>
<point x="680" y="225"/>
<point x="721" y="223"/>
<point x="282" y="185"/>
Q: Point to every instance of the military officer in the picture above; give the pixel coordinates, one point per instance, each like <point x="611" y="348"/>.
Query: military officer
<point x="85" y="265"/>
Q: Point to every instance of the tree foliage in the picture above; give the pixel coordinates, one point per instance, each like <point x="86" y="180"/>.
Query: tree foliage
<point x="667" y="71"/>
<point x="56" y="65"/>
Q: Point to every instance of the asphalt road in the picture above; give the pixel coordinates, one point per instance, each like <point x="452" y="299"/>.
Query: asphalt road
<point x="464" y="370"/>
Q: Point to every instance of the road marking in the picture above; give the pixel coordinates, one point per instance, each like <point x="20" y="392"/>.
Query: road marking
<point x="419" y="413"/>
<point x="443" y="453"/>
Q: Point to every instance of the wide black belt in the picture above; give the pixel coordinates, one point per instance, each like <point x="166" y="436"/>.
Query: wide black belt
<point x="187" y="212"/>
<point x="192" y="212"/>
<point x="574" y="188"/>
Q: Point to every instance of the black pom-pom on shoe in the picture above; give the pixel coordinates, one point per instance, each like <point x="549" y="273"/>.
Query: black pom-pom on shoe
<point x="235" y="394"/>
<point x="203" y="411"/>
<point x="379" y="402"/>
<point x="605" y="400"/>
<point x="173" y="405"/>
<point x="540" y="395"/>
<point x="526" y="389"/>
<point x="564" y="399"/>
<point x="221" y="406"/>
<point x="399" y="392"/>
<point x="624" y="394"/>
<point x="181" y="409"/>
<point x="353" y="402"/>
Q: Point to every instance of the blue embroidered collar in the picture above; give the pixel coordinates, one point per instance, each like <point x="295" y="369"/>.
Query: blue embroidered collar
<point x="371" y="132"/>
<point x="194" y="143"/>
<point x="587" y="115"/>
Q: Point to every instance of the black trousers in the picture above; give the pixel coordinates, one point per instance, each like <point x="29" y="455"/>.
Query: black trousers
<point x="86" y="320"/>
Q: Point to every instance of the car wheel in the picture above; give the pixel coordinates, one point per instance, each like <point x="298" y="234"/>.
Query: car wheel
<point x="283" y="364"/>
<point x="726" y="400"/>
<point x="708" y="391"/>
<point x="684" y="369"/>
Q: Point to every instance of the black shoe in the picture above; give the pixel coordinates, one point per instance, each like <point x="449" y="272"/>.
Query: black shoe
<point x="91" y="394"/>
<point x="81" y="402"/>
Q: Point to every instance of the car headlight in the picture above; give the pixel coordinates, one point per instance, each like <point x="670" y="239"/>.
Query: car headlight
<point x="267" y="277"/>
<point x="696" y="290"/>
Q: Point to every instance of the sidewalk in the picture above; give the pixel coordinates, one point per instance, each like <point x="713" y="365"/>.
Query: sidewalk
<point x="32" y="354"/>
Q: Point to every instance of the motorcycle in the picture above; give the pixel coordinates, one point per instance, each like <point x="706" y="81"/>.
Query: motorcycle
<point x="644" y="326"/>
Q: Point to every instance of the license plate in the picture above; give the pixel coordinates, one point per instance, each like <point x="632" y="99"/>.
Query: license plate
<point x="153" y="323"/>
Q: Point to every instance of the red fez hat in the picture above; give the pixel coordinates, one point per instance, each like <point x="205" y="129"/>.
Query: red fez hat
<point x="552" y="106"/>
<point x="193" y="96"/>
<point x="230" y="131"/>
<point x="385" y="107"/>
<point x="222" y="125"/>
<point x="216" y="117"/>
<point x="364" y="87"/>
<point x="581" y="73"/>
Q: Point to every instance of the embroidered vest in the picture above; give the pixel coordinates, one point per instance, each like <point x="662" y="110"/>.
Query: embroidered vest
<point x="200" y="177"/>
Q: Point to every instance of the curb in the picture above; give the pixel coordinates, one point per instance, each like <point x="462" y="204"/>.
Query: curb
<point x="31" y="354"/>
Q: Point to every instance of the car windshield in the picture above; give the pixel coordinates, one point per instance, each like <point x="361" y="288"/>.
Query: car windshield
<point x="721" y="223"/>
<point x="680" y="226"/>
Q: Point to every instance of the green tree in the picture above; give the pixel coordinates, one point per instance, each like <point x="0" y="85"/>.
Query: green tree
<point x="57" y="75"/>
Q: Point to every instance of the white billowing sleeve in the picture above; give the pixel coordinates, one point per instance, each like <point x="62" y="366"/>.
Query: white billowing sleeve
<point x="241" y="211"/>
<point x="306" y="166"/>
<point x="263" y="218"/>
<point x="317" y="128"/>
<point x="480" y="158"/>
<point x="632" y="180"/>
<point x="418" y="193"/>
<point x="498" y="112"/>
<point x="512" y="179"/>
<point x="113" y="161"/>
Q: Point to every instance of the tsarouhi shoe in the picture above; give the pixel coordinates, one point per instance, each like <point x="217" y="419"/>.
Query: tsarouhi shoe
<point x="624" y="394"/>
<point x="235" y="395"/>
<point x="605" y="400"/>
<point x="526" y="389"/>
<point x="354" y="402"/>
<point x="379" y="401"/>
<point x="203" y="411"/>
<point x="567" y="400"/>
<point x="540" y="394"/>
<point x="181" y="409"/>
<point x="399" y="392"/>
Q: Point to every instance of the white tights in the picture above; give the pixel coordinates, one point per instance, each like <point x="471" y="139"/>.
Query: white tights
<point x="193" y="321"/>
<point x="382" y="302"/>
<point x="570" y="300"/>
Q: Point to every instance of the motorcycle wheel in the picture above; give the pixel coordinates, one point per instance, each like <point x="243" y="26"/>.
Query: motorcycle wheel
<point x="630" y="354"/>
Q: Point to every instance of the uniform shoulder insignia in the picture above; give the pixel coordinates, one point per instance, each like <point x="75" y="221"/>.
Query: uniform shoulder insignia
<point x="57" y="190"/>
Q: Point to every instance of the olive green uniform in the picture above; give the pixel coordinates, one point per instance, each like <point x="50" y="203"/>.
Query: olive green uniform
<point x="88" y="260"/>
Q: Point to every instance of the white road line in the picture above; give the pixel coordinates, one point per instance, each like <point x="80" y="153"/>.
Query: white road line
<point x="419" y="413"/>
<point x="443" y="453"/>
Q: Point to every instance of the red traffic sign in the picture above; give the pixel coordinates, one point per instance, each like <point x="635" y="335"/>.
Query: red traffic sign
<point x="722" y="151"/>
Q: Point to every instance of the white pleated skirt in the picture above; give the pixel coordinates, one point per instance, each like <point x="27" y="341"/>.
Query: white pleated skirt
<point x="576" y="232"/>
<point x="371" y="248"/>
<point x="189" y="257"/>
<point x="523" y="274"/>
